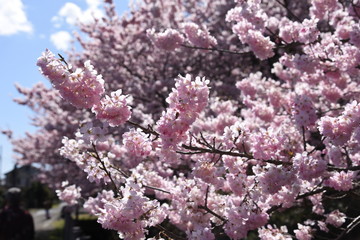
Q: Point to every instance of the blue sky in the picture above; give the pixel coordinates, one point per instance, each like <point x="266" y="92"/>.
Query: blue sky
<point x="27" y="27"/>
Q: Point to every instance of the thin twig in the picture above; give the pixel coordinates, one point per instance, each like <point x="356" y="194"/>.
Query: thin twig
<point x="274" y="208"/>
<point x="352" y="168"/>
<point x="120" y="171"/>
<point x="148" y="130"/>
<point x="155" y="188"/>
<point x="97" y="156"/>
<point x="145" y="186"/>
<point x="215" y="49"/>
<point x="350" y="227"/>
<point x="288" y="10"/>
<point x="213" y="213"/>
<point x="216" y="151"/>
<point x="206" y="196"/>
<point x="169" y="234"/>
<point x="303" y="136"/>
<point x="276" y="36"/>
<point x="348" y="159"/>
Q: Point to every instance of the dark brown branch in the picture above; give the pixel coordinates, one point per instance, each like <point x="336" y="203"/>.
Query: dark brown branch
<point x="120" y="171"/>
<point x="169" y="234"/>
<point x="216" y="151"/>
<point x="157" y="189"/>
<point x="148" y="130"/>
<point x="348" y="159"/>
<point x="199" y="150"/>
<point x="277" y="37"/>
<point x="303" y="137"/>
<point x="349" y="228"/>
<point x="97" y="156"/>
<point x="145" y="186"/>
<point x="189" y="153"/>
<point x="310" y="193"/>
<point x="352" y="168"/>
<point x="274" y="208"/>
<point x="215" y="49"/>
<point x="289" y="11"/>
<point x="206" y="196"/>
<point x="213" y="213"/>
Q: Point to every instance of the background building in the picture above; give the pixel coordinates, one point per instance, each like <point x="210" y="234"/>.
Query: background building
<point x="21" y="176"/>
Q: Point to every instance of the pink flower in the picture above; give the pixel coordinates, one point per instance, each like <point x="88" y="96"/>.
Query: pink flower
<point x="289" y="30"/>
<point x="321" y="7"/>
<point x="266" y="144"/>
<point x="113" y="109"/>
<point x="206" y="171"/>
<point x="197" y="36"/>
<point x="168" y="40"/>
<point x="260" y="45"/>
<point x="273" y="233"/>
<point x="89" y="133"/>
<point x="273" y="178"/>
<point x="340" y="181"/>
<point x="69" y="194"/>
<point x="137" y="146"/>
<point x="303" y="232"/>
<point x="96" y="205"/>
<point x="237" y="183"/>
<point x="309" y="167"/>
<point x="308" y="31"/>
<point x="131" y="214"/>
<point x="186" y="101"/>
<point x="340" y="129"/>
<point x="83" y="88"/>
<point x="336" y="218"/>
<point x="303" y="111"/>
<point x="332" y="93"/>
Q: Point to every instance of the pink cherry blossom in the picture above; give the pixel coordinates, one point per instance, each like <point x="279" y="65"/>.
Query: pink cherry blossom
<point x="197" y="36"/>
<point x="275" y="130"/>
<point x="336" y="218"/>
<point x="70" y="194"/>
<point x="168" y="40"/>
<point x="113" y="109"/>
<point x="81" y="87"/>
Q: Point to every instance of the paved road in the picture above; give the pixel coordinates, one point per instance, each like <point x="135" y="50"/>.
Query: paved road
<point x="43" y="224"/>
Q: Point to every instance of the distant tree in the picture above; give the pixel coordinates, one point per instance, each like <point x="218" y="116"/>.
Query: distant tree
<point x="36" y="194"/>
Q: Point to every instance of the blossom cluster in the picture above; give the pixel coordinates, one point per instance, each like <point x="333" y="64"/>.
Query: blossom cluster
<point x="113" y="109"/>
<point x="84" y="88"/>
<point x="70" y="194"/>
<point x="340" y="129"/>
<point x="250" y="25"/>
<point x="275" y="132"/>
<point x="186" y="102"/>
<point x="131" y="214"/>
<point x="171" y="39"/>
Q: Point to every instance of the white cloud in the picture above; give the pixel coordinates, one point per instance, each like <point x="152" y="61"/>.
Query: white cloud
<point x="61" y="40"/>
<point x="13" y="18"/>
<point x="72" y="13"/>
<point x="93" y="3"/>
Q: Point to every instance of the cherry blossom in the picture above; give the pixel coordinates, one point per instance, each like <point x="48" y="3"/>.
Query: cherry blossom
<point x="205" y="119"/>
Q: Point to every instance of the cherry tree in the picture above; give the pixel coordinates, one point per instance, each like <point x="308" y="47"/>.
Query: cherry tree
<point x="206" y="119"/>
